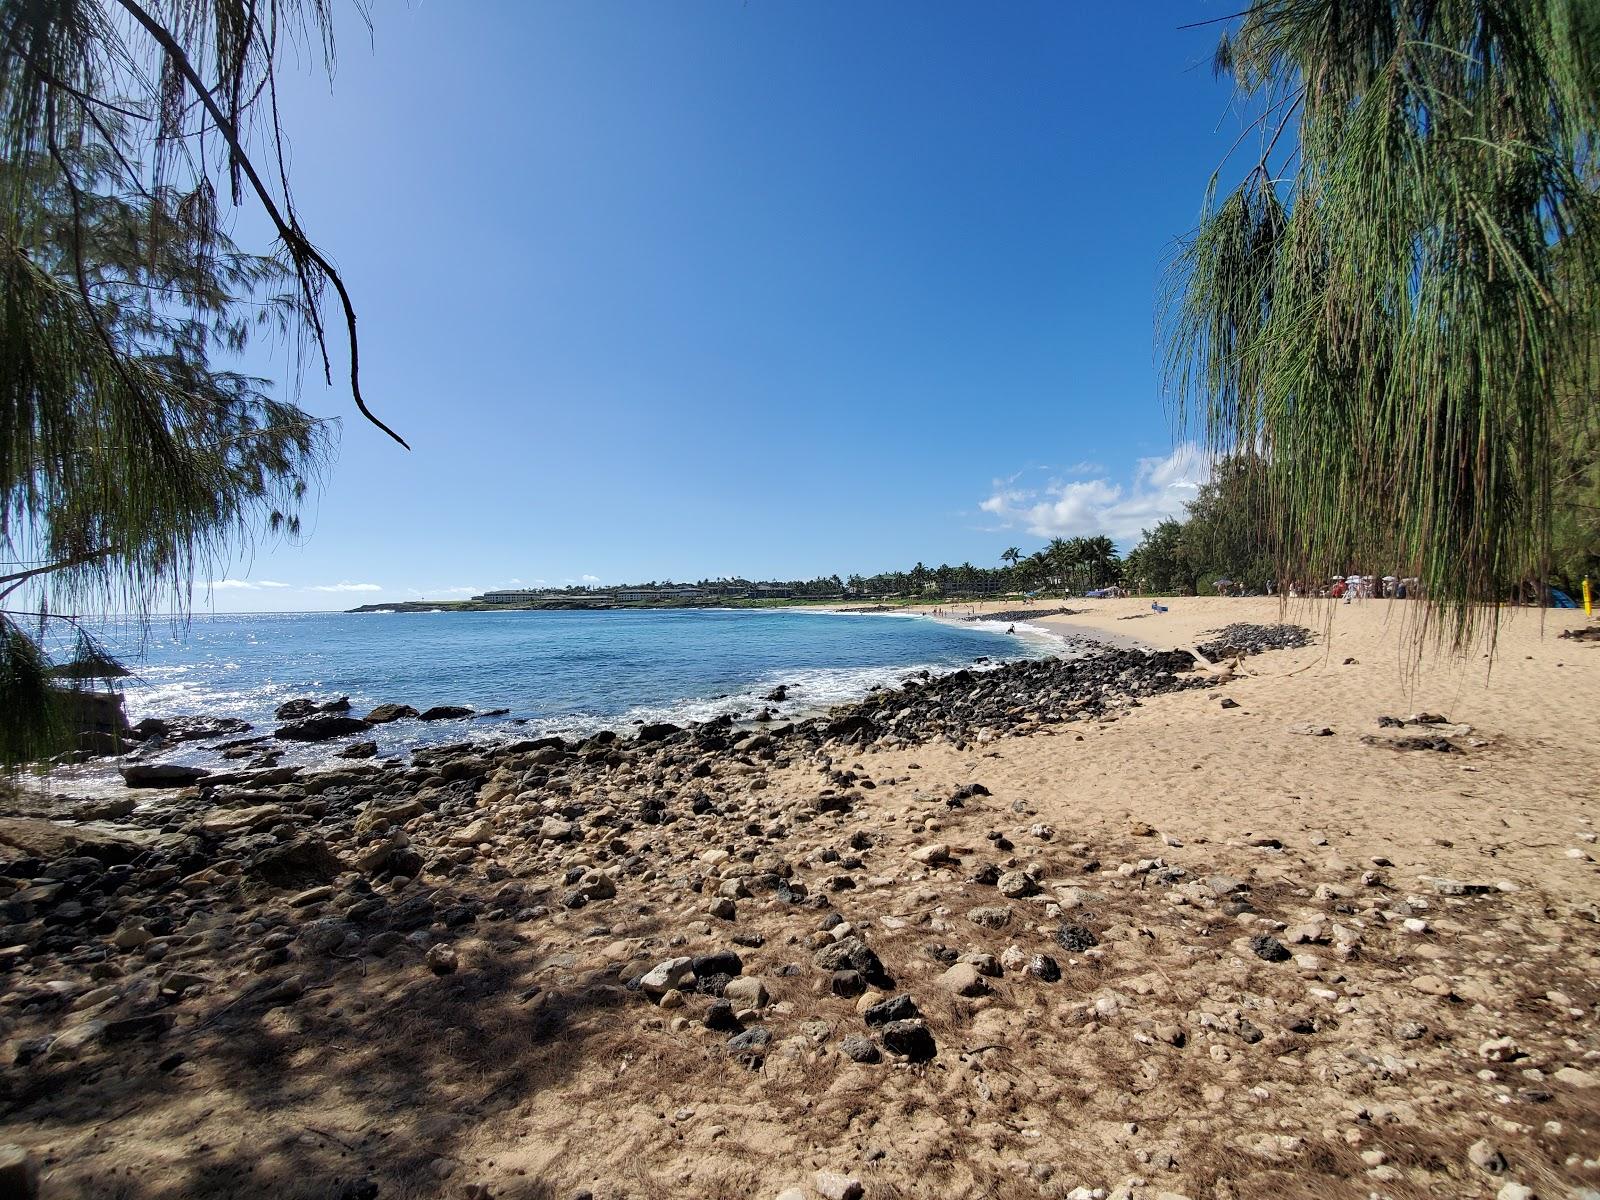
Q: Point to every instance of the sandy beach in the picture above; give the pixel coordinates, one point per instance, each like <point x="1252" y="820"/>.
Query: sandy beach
<point x="1224" y="942"/>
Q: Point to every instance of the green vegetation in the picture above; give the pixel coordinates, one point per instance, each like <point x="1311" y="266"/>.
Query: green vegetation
<point x="1221" y="536"/>
<point x="1385" y="310"/>
<point x="129" y="458"/>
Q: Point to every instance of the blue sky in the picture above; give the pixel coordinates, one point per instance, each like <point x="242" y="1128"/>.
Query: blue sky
<point x="708" y="287"/>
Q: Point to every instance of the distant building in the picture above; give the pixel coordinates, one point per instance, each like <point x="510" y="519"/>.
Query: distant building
<point x="646" y="594"/>
<point x="530" y="596"/>
<point x="518" y="596"/>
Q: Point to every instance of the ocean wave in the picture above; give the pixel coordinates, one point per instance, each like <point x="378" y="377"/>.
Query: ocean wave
<point x="1026" y="629"/>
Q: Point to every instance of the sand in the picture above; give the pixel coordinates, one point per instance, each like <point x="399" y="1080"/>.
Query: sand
<point x="1169" y="1061"/>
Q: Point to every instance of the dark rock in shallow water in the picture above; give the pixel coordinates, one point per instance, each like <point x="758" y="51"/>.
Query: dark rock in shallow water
<point x="359" y="750"/>
<point x="320" y="729"/>
<point x="445" y="712"/>
<point x="161" y="775"/>
<point x="385" y="713"/>
<point x="186" y="729"/>
<point x="299" y="710"/>
<point x="658" y="731"/>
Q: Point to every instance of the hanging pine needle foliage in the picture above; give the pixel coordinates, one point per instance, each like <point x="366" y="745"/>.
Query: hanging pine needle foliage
<point x="131" y="459"/>
<point x="1384" y="306"/>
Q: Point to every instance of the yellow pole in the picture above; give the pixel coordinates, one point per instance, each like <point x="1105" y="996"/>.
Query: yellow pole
<point x="1588" y="600"/>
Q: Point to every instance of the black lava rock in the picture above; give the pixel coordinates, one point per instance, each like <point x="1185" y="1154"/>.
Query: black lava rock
<point x="1076" y="938"/>
<point x="860" y="1049"/>
<point x="895" y="1008"/>
<point x="910" y="1038"/>
<point x="1267" y="947"/>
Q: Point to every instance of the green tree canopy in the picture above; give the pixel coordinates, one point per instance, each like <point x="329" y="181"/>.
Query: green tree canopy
<point x="131" y="456"/>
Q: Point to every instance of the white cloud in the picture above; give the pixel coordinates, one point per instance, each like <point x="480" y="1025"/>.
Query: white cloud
<point x="1160" y="488"/>
<point x="230" y="585"/>
<point x="591" y="579"/>
<point x="346" y="586"/>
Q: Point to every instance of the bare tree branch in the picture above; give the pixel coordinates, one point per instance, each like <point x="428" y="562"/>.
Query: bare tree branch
<point x="299" y="246"/>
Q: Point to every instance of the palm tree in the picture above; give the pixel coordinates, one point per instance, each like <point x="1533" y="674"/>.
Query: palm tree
<point x="1010" y="556"/>
<point x="1100" y="559"/>
<point x="1382" y="307"/>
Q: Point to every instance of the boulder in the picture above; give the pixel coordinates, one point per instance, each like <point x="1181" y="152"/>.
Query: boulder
<point x="445" y="712"/>
<point x="831" y="1185"/>
<point x="301" y="862"/>
<point x="19" y="1174"/>
<point x="394" y="812"/>
<point x="225" y="821"/>
<point x="385" y="713"/>
<point x="475" y="834"/>
<point x="860" y="1049"/>
<point x="597" y="885"/>
<point x="963" y="980"/>
<point x="299" y="710"/>
<point x="38" y="838"/>
<point x="1017" y="885"/>
<point x="1076" y="938"/>
<point x="187" y="729"/>
<point x="852" y="953"/>
<point x="910" y="1038"/>
<point x="665" y="976"/>
<point x="895" y="1008"/>
<point x="320" y="729"/>
<point x="161" y="775"/>
<point x="748" y="991"/>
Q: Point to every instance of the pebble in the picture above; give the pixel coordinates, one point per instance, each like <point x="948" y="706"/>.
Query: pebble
<point x="1486" y="1156"/>
<point x="831" y="1185"/>
<point x="1265" y="946"/>
<point x="441" y="959"/>
<point x="963" y="980"/>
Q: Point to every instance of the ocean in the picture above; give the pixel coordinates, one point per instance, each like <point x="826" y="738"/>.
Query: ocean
<point x="566" y="672"/>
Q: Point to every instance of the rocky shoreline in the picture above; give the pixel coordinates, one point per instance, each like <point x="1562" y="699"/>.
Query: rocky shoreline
<point x="272" y="906"/>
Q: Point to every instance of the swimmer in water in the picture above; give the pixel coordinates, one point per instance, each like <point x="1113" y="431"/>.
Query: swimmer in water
<point x="1011" y="628"/>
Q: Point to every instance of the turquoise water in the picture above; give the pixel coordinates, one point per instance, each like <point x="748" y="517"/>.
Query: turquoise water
<point x="562" y="672"/>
